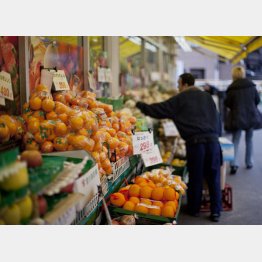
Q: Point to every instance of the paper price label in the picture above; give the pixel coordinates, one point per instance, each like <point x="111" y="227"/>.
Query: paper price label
<point x="60" y="81"/>
<point x="6" y="89"/>
<point x="67" y="218"/>
<point x="170" y="129"/>
<point x="91" y="82"/>
<point x="142" y="142"/>
<point x="2" y="101"/>
<point x="108" y="75"/>
<point x="101" y="75"/>
<point x="47" y="78"/>
<point x="153" y="157"/>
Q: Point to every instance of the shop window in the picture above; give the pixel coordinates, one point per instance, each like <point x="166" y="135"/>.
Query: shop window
<point x="151" y="57"/>
<point x="96" y="52"/>
<point x="63" y="52"/>
<point x="9" y="58"/>
<point x="198" y="73"/>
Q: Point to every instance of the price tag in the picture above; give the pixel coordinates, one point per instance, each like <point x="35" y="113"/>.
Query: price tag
<point x="6" y="90"/>
<point x="142" y="142"/>
<point x="152" y="157"/>
<point x="108" y="75"/>
<point x="170" y="129"/>
<point x="101" y="75"/>
<point x="60" y="81"/>
<point x="91" y="82"/>
<point x="47" y="78"/>
<point x="2" y="101"/>
<point x="67" y="218"/>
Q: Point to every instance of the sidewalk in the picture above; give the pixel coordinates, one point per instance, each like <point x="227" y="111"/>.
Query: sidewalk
<point x="247" y="192"/>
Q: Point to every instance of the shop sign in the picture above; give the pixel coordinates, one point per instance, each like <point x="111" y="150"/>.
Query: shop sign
<point x="142" y="142"/>
<point x="152" y="157"/>
<point x="170" y="129"/>
<point x="101" y="75"/>
<point x="6" y="90"/>
<point x="60" y="81"/>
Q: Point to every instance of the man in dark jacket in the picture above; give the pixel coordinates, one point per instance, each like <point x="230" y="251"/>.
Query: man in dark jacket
<point x="241" y="101"/>
<point x="195" y="115"/>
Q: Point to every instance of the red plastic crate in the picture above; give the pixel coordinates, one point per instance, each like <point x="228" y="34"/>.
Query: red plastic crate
<point x="227" y="200"/>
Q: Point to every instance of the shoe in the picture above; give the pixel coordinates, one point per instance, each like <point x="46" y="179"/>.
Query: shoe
<point x="233" y="170"/>
<point x="249" y="166"/>
<point x="214" y="217"/>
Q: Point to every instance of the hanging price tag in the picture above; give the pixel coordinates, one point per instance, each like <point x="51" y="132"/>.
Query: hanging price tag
<point x="108" y="75"/>
<point x="60" y="81"/>
<point x="6" y="90"/>
<point x="101" y="75"/>
<point x="152" y="157"/>
<point x="142" y="142"/>
<point x="2" y="101"/>
<point x="170" y="129"/>
<point x="47" y="78"/>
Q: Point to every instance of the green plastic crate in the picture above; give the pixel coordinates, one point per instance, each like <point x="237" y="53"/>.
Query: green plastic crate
<point x="8" y="157"/>
<point x="116" y="103"/>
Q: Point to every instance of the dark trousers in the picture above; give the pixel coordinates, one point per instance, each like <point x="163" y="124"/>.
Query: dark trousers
<point x="204" y="161"/>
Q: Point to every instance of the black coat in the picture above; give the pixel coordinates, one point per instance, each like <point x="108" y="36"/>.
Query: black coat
<point x="241" y="101"/>
<point x="193" y="111"/>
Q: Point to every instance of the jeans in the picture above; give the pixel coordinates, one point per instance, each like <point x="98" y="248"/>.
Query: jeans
<point x="249" y="147"/>
<point x="204" y="161"/>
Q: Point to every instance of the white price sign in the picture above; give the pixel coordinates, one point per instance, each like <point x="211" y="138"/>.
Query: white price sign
<point x="67" y="218"/>
<point x="170" y="129"/>
<point x="2" y="101"/>
<point x="60" y="81"/>
<point x="108" y="75"/>
<point x="152" y="157"/>
<point x="47" y="78"/>
<point x="6" y="89"/>
<point x="142" y="142"/>
<point x="91" y="82"/>
<point x="101" y="75"/>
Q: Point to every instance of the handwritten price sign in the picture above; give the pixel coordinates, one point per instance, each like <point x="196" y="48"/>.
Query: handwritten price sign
<point x="142" y="142"/>
<point x="60" y="81"/>
<point x="152" y="157"/>
<point x="170" y="129"/>
<point x="101" y="75"/>
<point x="6" y="89"/>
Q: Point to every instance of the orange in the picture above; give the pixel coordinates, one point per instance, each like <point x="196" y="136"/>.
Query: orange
<point x="105" y="150"/>
<point x="129" y="205"/>
<point x="41" y="87"/>
<point x="83" y="132"/>
<point x="156" y="211"/>
<point x="142" y="184"/>
<point x="61" y="108"/>
<point x="100" y="136"/>
<point x="40" y="137"/>
<point x="90" y="144"/>
<point x="109" y="170"/>
<point x="134" y="191"/>
<point x="27" y="116"/>
<point x="146" y="192"/>
<point x="33" y="125"/>
<point x="96" y="156"/>
<point x="151" y="184"/>
<point x="157" y="193"/>
<point x="11" y="124"/>
<point x="98" y="146"/>
<point x="168" y="211"/>
<point x="47" y="147"/>
<point x="4" y="132"/>
<point x="60" y="129"/>
<point x="139" y="180"/>
<point x="135" y="200"/>
<point x="48" y="105"/>
<point x="103" y="156"/>
<point x="157" y="203"/>
<point x="113" y="143"/>
<point x="177" y="195"/>
<point x="173" y="204"/>
<point x="132" y="120"/>
<point x="117" y="199"/>
<point x="31" y="145"/>
<point x="169" y="194"/>
<point x="70" y="148"/>
<point x="106" y="163"/>
<point x="60" y="144"/>
<point x="79" y="142"/>
<point x="35" y="103"/>
<point x="39" y="114"/>
<point x="112" y="132"/>
<point x="115" y="126"/>
<point x="26" y="108"/>
<point x="63" y="117"/>
<point x="146" y="201"/>
<point x="76" y="122"/>
<point x="141" y="209"/>
<point x="51" y="115"/>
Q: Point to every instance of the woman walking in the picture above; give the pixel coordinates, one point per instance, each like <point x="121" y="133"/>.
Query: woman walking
<point x="241" y="101"/>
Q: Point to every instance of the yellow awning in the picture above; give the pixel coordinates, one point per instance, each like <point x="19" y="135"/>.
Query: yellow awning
<point x="128" y="48"/>
<point x="233" y="48"/>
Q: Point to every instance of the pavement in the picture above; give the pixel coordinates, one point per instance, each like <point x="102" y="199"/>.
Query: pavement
<point x="247" y="192"/>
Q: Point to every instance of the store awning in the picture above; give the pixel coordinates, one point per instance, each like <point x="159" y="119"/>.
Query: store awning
<point x="128" y="48"/>
<point x="233" y="48"/>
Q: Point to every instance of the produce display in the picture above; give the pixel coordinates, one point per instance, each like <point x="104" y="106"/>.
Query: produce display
<point x="154" y="193"/>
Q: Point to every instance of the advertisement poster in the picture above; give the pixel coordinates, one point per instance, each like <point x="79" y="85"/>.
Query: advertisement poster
<point x="9" y="64"/>
<point x="63" y="52"/>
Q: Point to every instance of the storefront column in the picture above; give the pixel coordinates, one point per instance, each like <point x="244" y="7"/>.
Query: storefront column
<point x="86" y="61"/>
<point x="112" y="49"/>
<point x="24" y="68"/>
<point x="161" y="61"/>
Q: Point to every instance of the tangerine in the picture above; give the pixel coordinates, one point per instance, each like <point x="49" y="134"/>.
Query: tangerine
<point x="109" y="170"/>
<point x="157" y="203"/>
<point x="168" y="211"/>
<point x="173" y="204"/>
<point x="83" y="132"/>
<point x="134" y="191"/>
<point x="35" y="103"/>
<point x="146" y="192"/>
<point x="135" y="200"/>
<point x="155" y="211"/>
<point x="48" y="105"/>
<point x="39" y="114"/>
<point x="106" y="163"/>
<point x="4" y="132"/>
<point x="33" y="125"/>
<point x="90" y="144"/>
<point x="169" y="194"/>
<point x="60" y="129"/>
<point x="117" y="199"/>
<point x="51" y="115"/>
<point x="157" y="193"/>
<point x="31" y="145"/>
<point x="63" y="117"/>
<point x="40" y="137"/>
<point x="129" y="205"/>
<point x="139" y="180"/>
<point x="146" y="202"/>
<point x="113" y="143"/>
<point x="96" y="156"/>
<point x="177" y="195"/>
<point x="47" y="147"/>
<point x="76" y="122"/>
<point x="141" y="209"/>
<point x="60" y="144"/>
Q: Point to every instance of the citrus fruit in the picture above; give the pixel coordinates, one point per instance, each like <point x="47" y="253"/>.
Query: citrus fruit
<point x="146" y="192"/>
<point x="63" y="117"/>
<point x="103" y="156"/>
<point x="141" y="209"/>
<point x="113" y="143"/>
<point x="60" y="144"/>
<point x="60" y="129"/>
<point x="157" y="193"/>
<point x="134" y="191"/>
<point x="139" y="180"/>
<point x="151" y="184"/>
<point x="12" y="215"/>
<point x="146" y="201"/>
<point x="96" y="156"/>
<point x="90" y="144"/>
<point x="83" y="132"/>
<point x="40" y="137"/>
<point x="168" y="211"/>
<point x="48" y="105"/>
<point x="106" y="163"/>
<point x="169" y="194"/>
<point x="135" y="200"/>
<point x="41" y="87"/>
<point x="173" y="204"/>
<point x="76" y="122"/>
<point x="31" y="145"/>
<point x="47" y="147"/>
<point x="129" y="205"/>
<point x="26" y="207"/>
<point x="117" y="199"/>
<point x="177" y="195"/>
<point x="10" y="122"/>
<point x="35" y="103"/>
<point x="51" y="116"/>
<point x="142" y="184"/>
<point x="157" y="203"/>
<point x="156" y="211"/>
<point x="4" y="132"/>
<point x="33" y="125"/>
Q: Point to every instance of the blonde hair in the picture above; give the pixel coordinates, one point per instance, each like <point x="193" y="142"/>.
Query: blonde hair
<point x="238" y="72"/>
